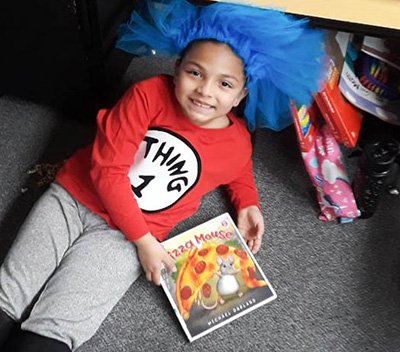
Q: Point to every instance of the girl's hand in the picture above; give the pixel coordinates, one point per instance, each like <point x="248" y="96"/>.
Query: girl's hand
<point x="251" y="226"/>
<point x="152" y="255"/>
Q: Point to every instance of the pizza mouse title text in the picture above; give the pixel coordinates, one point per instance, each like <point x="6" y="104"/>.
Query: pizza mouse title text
<point x="197" y="240"/>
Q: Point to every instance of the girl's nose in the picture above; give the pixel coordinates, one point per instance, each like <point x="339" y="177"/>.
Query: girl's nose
<point x="205" y="88"/>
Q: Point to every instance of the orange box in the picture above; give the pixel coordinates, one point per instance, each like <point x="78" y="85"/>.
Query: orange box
<point x="343" y="117"/>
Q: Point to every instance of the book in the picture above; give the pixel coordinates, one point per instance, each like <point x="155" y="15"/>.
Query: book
<point x="343" y="118"/>
<point x="327" y="117"/>
<point x="217" y="278"/>
<point x="306" y="122"/>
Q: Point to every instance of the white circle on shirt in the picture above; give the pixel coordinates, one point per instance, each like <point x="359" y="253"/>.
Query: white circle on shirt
<point x="165" y="168"/>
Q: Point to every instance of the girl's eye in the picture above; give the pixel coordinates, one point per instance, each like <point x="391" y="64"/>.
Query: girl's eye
<point x="226" y="85"/>
<point x="194" y="73"/>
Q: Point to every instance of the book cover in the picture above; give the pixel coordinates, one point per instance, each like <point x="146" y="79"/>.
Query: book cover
<point x="306" y="124"/>
<point x="217" y="278"/>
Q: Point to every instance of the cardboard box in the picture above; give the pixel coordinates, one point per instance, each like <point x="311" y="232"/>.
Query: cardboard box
<point x="343" y="118"/>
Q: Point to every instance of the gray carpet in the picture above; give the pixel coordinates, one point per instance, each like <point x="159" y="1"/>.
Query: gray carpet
<point x="337" y="285"/>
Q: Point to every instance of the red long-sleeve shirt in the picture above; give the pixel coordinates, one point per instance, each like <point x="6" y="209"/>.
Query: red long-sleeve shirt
<point x="149" y="166"/>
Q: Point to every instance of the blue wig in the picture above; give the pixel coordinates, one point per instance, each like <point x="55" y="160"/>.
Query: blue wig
<point x="282" y="58"/>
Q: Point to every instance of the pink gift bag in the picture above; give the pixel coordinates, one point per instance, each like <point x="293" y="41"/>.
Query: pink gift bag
<point x="327" y="172"/>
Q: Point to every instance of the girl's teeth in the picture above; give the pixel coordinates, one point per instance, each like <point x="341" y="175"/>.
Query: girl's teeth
<point x="200" y="104"/>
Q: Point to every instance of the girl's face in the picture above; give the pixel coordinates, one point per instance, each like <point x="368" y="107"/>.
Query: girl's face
<point x="209" y="82"/>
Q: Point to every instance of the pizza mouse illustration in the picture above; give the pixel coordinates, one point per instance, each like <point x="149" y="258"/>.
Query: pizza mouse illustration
<point x="214" y="267"/>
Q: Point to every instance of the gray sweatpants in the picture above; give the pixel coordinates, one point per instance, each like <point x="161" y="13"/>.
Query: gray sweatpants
<point x="67" y="264"/>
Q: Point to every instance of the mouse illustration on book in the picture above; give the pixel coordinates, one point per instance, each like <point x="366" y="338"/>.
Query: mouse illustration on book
<point x="227" y="284"/>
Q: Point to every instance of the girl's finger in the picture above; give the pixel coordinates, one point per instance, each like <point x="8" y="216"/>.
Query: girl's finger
<point x="257" y="245"/>
<point x="170" y="264"/>
<point x="156" y="277"/>
<point x="148" y="276"/>
<point x="250" y="244"/>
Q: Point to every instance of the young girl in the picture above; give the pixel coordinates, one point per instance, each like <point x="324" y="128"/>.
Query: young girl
<point x="166" y="143"/>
